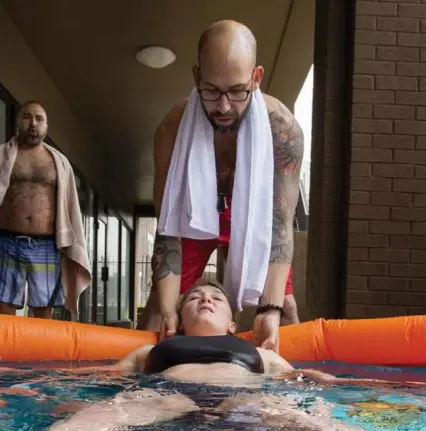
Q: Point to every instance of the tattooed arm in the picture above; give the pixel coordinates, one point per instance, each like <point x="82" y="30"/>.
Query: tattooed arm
<point x="167" y="257"/>
<point x="288" y="153"/>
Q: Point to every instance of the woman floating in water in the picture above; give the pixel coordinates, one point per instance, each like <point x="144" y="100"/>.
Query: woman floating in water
<point x="208" y="353"/>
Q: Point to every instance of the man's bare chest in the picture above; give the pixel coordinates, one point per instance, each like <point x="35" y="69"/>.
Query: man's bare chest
<point x="36" y="167"/>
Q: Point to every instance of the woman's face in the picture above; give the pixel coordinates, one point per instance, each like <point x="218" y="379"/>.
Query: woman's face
<point x="206" y="312"/>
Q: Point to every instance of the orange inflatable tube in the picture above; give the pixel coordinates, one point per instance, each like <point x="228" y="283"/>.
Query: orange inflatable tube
<point x="397" y="341"/>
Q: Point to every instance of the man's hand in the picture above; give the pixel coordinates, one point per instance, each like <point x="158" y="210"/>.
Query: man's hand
<point x="169" y="325"/>
<point x="266" y="331"/>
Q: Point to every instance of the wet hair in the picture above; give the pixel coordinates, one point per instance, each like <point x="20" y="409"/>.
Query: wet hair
<point x="201" y="282"/>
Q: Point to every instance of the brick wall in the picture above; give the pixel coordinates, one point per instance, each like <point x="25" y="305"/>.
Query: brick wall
<point x="387" y="211"/>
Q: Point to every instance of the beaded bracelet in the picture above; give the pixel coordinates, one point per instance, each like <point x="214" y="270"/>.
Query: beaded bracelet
<point x="262" y="309"/>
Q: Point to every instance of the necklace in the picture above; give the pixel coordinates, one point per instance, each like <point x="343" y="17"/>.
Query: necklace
<point x="222" y="205"/>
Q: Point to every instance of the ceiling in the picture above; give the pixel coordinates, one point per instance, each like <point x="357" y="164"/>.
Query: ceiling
<point x="88" y="49"/>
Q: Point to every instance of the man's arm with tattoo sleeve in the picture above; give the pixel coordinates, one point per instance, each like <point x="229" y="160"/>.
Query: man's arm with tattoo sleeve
<point x="288" y="154"/>
<point x="166" y="261"/>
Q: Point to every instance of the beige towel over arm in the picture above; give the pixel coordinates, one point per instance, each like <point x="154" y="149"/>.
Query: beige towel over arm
<point x="69" y="234"/>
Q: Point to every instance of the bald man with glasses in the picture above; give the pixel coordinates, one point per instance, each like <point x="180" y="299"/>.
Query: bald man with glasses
<point x="226" y="77"/>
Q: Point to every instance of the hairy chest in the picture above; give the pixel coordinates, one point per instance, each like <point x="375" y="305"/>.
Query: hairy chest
<point x="34" y="167"/>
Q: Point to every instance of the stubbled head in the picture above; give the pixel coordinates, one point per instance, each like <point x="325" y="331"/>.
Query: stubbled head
<point x="226" y="74"/>
<point x="205" y="310"/>
<point x="32" y="123"/>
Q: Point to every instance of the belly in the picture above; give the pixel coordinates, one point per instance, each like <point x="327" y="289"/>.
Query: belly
<point x="29" y="208"/>
<point x="215" y="374"/>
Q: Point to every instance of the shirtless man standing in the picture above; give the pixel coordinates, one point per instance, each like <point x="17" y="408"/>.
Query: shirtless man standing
<point x="28" y="252"/>
<point x="226" y="77"/>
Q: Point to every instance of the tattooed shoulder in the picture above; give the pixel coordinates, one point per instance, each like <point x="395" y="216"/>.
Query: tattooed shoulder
<point x="287" y="139"/>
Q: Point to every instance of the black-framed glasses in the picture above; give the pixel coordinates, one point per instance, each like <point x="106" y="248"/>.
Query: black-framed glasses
<point x="231" y="95"/>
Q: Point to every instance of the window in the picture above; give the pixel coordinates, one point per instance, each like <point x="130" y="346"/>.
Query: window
<point x="113" y="265"/>
<point x="125" y="273"/>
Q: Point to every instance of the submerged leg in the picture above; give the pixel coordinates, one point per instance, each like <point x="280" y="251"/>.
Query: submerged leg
<point x="136" y="408"/>
<point x="283" y="411"/>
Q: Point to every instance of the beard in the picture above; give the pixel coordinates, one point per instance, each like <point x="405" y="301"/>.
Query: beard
<point x="30" y="138"/>
<point x="228" y="128"/>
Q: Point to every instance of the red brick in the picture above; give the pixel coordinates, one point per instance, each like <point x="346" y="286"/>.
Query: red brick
<point x="421" y="143"/>
<point x="374" y="67"/>
<point x="408" y="242"/>
<point x="393" y="170"/>
<point x="410" y="98"/>
<point x="367" y="268"/>
<point x="362" y="198"/>
<point x="421" y="113"/>
<point x="388" y="284"/>
<point x="373" y="96"/>
<point x="389" y="227"/>
<point x="357" y="254"/>
<point x="365" y="297"/>
<point x="356" y="282"/>
<point x="354" y="311"/>
<point x="396" y="83"/>
<point x="375" y="311"/>
<point x="360" y="169"/>
<point x="364" y="82"/>
<point x="397" y="54"/>
<point x="411" y="11"/>
<point x="386" y="255"/>
<point x="365" y="52"/>
<point x="419" y="228"/>
<point x="417" y="286"/>
<point x="420" y="200"/>
<point x="371" y="184"/>
<point x="361" y="140"/>
<point x="375" y="37"/>
<point x="410" y="39"/>
<point x="398" y="24"/>
<point x="371" y="155"/>
<point x="358" y="226"/>
<point x="405" y="185"/>
<point x="409" y="69"/>
<point x="394" y="141"/>
<point x="364" y="22"/>
<point x="394" y="112"/>
<point x="373" y="8"/>
<point x="405" y="214"/>
<point x="407" y="270"/>
<point x="418" y="256"/>
<point x="404" y="127"/>
<point x="415" y="157"/>
<point x="368" y="212"/>
<point x="362" y="110"/>
<point x="416" y="299"/>
<point x="366" y="240"/>
<point x="420" y="172"/>
<point x="391" y="199"/>
<point x="362" y="125"/>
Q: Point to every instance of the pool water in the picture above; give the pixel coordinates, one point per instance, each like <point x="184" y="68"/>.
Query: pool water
<point x="32" y="399"/>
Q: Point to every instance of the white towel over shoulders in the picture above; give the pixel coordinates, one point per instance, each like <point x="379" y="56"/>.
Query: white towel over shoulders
<point x="189" y="207"/>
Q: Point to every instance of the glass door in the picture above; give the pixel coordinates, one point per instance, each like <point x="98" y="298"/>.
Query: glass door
<point x="102" y="272"/>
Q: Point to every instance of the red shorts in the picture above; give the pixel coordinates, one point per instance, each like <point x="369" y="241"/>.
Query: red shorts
<point x="196" y="254"/>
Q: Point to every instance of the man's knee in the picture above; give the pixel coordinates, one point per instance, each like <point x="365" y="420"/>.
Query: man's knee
<point x="290" y="308"/>
<point x="7" y="309"/>
<point x="42" y="312"/>
<point x="150" y="319"/>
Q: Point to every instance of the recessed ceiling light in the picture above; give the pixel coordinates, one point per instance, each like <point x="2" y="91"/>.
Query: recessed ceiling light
<point x="156" y="57"/>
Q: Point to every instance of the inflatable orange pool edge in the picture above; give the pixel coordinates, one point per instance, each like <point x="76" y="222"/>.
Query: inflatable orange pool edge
<point x="387" y="341"/>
